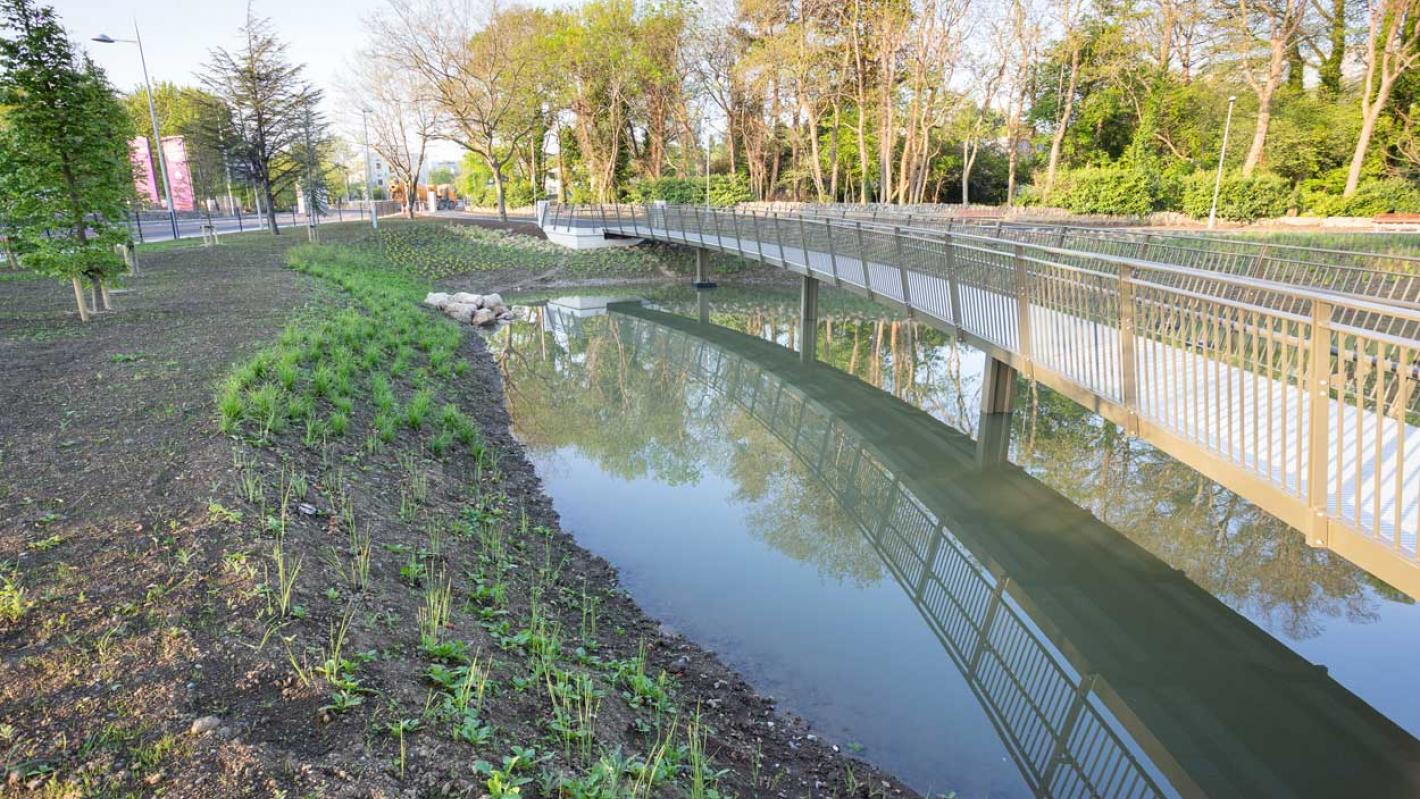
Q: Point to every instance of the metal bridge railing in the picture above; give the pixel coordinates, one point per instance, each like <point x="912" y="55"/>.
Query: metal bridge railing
<point x="1302" y="400"/>
<point x="1379" y="276"/>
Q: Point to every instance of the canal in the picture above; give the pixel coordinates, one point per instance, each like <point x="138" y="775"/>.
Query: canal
<point x="1083" y="616"/>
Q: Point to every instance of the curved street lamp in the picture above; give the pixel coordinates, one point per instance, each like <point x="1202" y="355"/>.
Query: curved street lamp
<point x="369" y="190"/>
<point x="104" y="38"/>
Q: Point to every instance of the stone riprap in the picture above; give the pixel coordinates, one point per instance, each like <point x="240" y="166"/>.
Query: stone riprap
<point x="470" y="309"/>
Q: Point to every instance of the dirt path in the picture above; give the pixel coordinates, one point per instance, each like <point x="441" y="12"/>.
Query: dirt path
<point x="108" y="460"/>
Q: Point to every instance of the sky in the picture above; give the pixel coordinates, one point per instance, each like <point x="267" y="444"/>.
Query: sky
<point x="178" y="36"/>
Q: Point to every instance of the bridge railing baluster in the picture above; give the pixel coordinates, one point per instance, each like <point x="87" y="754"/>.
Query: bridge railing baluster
<point x="1021" y="275"/>
<point x="1318" y="384"/>
<point x="1128" y="386"/>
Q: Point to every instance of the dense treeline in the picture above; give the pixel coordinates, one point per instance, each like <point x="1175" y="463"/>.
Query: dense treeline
<point x="1110" y="106"/>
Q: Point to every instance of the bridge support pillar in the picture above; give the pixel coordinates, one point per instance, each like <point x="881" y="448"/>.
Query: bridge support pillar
<point x="998" y="390"/>
<point x="808" y="319"/>
<point x="702" y="306"/>
<point x="702" y="270"/>
<point x="998" y="387"/>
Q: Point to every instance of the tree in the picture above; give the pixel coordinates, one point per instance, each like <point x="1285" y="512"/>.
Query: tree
<point x="66" y="152"/>
<point x="310" y="152"/>
<point x="487" y="79"/>
<point x="599" y="63"/>
<point x="1392" y="48"/>
<point x="267" y="100"/>
<point x="442" y="175"/>
<point x="1068" y="79"/>
<point x="1261" y="34"/>
<point x="403" y="119"/>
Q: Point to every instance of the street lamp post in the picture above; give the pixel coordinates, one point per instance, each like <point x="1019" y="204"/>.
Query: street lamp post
<point x="369" y="192"/>
<point x="152" y="115"/>
<point x="1222" y="152"/>
<point x="707" y="165"/>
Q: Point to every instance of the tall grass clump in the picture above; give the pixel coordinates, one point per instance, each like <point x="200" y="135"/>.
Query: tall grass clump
<point x="378" y="365"/>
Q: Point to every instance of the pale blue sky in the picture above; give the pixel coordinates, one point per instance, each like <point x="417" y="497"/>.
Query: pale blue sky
<point x="177" y="34"/>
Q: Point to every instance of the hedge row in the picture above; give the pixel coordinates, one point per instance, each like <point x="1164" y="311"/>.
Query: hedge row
<point x="1131" y="191"/>
<point x="725" y="191"/>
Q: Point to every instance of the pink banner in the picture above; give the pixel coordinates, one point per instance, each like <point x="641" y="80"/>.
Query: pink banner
<point x="175" y="151"/>
<point x="140" y="155"/>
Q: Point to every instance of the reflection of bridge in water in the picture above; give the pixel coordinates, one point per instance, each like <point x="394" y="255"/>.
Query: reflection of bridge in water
<point x="1105" y="672"/>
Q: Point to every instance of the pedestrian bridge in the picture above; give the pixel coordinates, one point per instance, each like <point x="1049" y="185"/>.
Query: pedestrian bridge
<point x="1299" y="399"/>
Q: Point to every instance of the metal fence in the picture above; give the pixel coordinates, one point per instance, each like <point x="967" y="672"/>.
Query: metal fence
<point x="1380" y="276"/>
<point x="1302" y="400"/>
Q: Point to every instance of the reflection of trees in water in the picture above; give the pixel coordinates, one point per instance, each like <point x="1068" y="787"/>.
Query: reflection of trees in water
<point x="636" y="414"/>
<point x="1227" y="545"/>
<point x="792" y="509"/>
<point x="624" y="412"/>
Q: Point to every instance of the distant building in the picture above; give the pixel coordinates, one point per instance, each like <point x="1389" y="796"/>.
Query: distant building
<point x="379" y="174"/>
<point x="431" y="167"/>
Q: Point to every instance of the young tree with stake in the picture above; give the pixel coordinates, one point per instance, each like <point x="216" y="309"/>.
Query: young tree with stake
<point x="67" y="168"/>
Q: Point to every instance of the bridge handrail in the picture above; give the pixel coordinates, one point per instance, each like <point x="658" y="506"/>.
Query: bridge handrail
<point x="1117" y="234"/>
<point x="1402" y="311"/>
<point x="1129" y="229"/>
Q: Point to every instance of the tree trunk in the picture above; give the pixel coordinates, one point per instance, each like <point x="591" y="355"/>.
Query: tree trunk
<point x="79" y="299"/>
<point x="271" y="205"/>
<point x="12" y="258"/>
<point x="1295" y="65"/>
<point x="103" y="293"/>
<point x="1068" y="107"/>
<point x="1259" y="134"/>
<point x="812" y="119"/>
<point x="1369" y="117"/>
<point x="498" y="190"/>
<point x="1330" y="69"/>
<point x="863" y="161"/>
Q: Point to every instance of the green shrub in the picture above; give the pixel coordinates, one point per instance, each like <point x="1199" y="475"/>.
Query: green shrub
<point x="677" y="191"/>
<point x="725" y="190"/>
<point x="1171" y="185"/>
<point x="1118" y="190"/>
<point x="1373" y="196"/>
<point x="1242" y="199"/>
<point x="517" y="193"/>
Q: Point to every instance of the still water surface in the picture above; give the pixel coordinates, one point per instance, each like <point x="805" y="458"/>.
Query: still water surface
<point x="1092" y="618"/>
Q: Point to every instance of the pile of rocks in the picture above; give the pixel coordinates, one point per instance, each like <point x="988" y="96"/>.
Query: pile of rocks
<point x="473" y="309"/>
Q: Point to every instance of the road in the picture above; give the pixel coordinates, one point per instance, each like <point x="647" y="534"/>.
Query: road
<point x="159" y="228"/>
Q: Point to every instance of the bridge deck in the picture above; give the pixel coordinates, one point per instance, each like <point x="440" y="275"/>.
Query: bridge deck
<point x="1222" y="378"/>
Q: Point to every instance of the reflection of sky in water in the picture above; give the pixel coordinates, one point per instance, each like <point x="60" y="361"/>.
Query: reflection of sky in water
<point x="852" y="655"/>
<point x="831" y="651"/>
